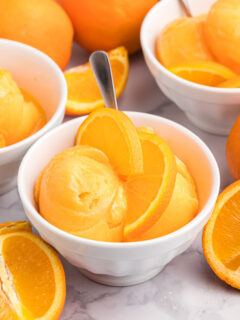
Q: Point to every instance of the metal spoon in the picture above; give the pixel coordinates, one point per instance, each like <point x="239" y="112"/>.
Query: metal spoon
<point x="103" y="73"/>
<point x="195" y="8"/>
<point x="186" y="7"/>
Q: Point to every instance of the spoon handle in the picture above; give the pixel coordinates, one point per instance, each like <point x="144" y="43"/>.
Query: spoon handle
<point x="102" y="70"/>
<point x="186" y="7"/>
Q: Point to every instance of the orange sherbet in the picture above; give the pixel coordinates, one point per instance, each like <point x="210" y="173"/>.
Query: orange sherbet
<point x="20" y="114"/>
<point x="79" y="192"/>
<point x="182" y="208"/>
<point x="182" y="41"/>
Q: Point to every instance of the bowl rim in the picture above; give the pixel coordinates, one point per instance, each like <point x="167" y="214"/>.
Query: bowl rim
<point x="201" y="216"/>
<point x="62" y="100"/>
<point x="146" y="49"/>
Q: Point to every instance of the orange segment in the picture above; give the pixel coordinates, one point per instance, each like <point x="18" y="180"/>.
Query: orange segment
<point x="14" y="226"/>
<point x="149" y="193"/>
<point x="231" y="83"/>
<point x="83" y="93"/>
<point x="181" y="209"/>
<point x="112" y="132"/>
<point x="208" y="73"/>
<point x="182" y="41"/>
<point x="221" y="241"/>
<point x="32" y="277"/>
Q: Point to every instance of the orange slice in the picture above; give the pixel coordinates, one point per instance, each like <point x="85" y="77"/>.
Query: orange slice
<point x="112" y="132"/>
<point x="149" y="193"/>
<point x="15" y="226"/>
<point x="208" y="73"/>
<point x="83" y="93"/>
<point x="32" y="278"/>
<point x="231" y="83"/>
<point x="221" y="241"/>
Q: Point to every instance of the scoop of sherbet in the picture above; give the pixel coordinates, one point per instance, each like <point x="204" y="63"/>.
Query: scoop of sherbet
<point x="18" y="119"/>
<point x="182" y="208"/>
<point x="181" y="41"/>
<point x="79" y="192"/>
<point x="11" y="107"/>
<point x="222" y="32"/>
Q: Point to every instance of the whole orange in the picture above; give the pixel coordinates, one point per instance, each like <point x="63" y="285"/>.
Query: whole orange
<point x="42" y="24"/>
<point x="107" y="24"/>
<point x="233" y="150"/>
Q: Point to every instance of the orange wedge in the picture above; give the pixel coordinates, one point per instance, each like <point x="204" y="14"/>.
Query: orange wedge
<point x="208" y="73"/>
<point x="112" y="132"/>
<point x="83" y="93"/>
<point x="15" y="226"/>
<point x="149" y="193"/>
<point x="231" y="83"/>
<point x="221" y="240"/>
<point x="31" y="277"/>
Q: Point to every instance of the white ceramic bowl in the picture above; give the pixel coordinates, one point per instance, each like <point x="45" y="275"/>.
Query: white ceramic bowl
<point x="122" y="263"/>
<point x="211" y="109"/>
<point x="39" y="75"/>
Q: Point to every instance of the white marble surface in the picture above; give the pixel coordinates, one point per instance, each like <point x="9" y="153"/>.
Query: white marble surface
<point x="186" y="289"/>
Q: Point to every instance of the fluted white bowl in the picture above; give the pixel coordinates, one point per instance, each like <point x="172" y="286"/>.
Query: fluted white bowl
<point x="38" y="74"/>
<point x="211" y="109"/>
<point x="122" y="264"/>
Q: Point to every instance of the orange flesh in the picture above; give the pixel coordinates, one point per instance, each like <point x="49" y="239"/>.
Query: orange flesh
<point x="20" y="255"/>
<point x="82" y="86"/>
<point x="231" y="83"/>
<point x="207" y="73"/>
<point x="225" y="236"/>
<point x="142" y="189"/>
<point x="149" y="193"/>
<point x="83" y="92"/>
<point x="112" y="132"/>
<point x="6" y="310"/>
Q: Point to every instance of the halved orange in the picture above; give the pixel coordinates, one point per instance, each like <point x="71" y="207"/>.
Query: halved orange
<point x="149" y="193"/>
<point x="207" y="73"/>
<point x="231" y="83"/>
<point x="83" y="93"/>
<point x="32" y="278"/>
<point x="221" y="240"/>
<point x="112" y="132"/>
<point x="15" y="226"/>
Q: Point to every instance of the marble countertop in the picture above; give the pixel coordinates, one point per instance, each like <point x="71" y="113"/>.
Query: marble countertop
<point x="187" y="288"/>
